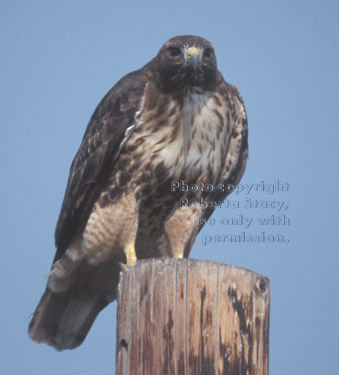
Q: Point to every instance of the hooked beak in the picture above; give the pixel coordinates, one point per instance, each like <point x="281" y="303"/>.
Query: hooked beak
<point x="193" y="57"/>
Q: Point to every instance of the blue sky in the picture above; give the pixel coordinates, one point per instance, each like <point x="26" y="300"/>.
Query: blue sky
<point x="59" y="58"/>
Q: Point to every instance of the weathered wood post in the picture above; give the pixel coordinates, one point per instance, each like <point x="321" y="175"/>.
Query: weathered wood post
<point x="180" y="317"/>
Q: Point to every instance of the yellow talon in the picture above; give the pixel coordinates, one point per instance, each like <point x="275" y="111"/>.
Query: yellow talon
<point x="131" y="257"/>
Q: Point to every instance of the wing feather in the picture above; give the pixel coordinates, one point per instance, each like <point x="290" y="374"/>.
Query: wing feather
<point x="97" y="154"/>
<point x="237" y="151"/>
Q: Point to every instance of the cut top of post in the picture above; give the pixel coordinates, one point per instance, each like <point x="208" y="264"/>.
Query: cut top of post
<point x="185" y="316"/>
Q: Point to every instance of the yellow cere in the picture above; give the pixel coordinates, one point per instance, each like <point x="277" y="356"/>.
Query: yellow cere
<point x="192" y="51"/>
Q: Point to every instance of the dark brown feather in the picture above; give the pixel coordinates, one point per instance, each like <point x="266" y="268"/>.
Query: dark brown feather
<point x="95" y="159"/>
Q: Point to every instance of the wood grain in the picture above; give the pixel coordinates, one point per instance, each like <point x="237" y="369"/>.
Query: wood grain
<point x="189" y="317"/>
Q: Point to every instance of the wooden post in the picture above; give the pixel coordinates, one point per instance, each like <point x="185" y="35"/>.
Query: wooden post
<point x="184" y="316"/>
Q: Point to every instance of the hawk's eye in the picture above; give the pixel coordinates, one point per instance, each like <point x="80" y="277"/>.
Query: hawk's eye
<point x="174" y="51"/>
<point x="208" y="53"/>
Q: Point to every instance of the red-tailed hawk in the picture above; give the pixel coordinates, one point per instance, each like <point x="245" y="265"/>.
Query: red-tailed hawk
<point x="171" y="125"/>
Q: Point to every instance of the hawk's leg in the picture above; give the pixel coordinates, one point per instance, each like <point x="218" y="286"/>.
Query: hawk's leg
<point x="131" y="257"/>
<point x="181" y="230"/>
<point x="111" y="229"/>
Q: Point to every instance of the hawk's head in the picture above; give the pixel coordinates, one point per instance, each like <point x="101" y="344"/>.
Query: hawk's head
<point x="186" y="61"/>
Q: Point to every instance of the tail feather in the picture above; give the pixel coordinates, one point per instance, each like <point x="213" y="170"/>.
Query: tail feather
<point x="63" y="319"/>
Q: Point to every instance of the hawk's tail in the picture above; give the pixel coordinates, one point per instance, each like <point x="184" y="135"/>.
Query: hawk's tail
<point x="63" y="319"/>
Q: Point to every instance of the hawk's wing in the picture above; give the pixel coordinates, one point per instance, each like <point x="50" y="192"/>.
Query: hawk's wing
<point x="237" y="152"/>
<point x="99" y="150"/>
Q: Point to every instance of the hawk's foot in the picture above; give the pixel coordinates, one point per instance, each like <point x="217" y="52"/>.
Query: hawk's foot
<point x="131" y="257"/>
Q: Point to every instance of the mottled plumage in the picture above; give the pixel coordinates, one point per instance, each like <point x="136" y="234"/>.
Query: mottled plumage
<point x="175" y="119"/>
